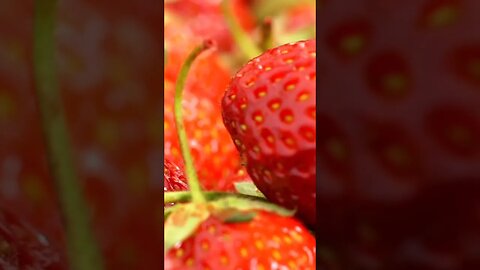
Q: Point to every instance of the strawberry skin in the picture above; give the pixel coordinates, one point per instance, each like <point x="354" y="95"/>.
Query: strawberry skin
<point x="269" y="110"/>
<point x="173" y="177"/>
<point x="269" y="241"/>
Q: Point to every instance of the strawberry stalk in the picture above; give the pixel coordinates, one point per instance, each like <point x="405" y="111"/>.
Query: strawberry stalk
<point x="186" y="196"/>
<point x="245" y="43"/>
<point x="190" y="171"/>
<point x="266" y="41"/>
<point x="82" y="247"/>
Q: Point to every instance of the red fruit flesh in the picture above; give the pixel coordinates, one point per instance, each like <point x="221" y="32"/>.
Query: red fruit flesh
<point x="268" y="241"/>
<point x="269" y="110"/>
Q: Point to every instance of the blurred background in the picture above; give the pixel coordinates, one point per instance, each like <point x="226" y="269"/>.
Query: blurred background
<point x="109" y="57"/>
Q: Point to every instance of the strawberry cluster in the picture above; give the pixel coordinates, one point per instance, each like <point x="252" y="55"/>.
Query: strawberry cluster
<point x="240" y="123"/>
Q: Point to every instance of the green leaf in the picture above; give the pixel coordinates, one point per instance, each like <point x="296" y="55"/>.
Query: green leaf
<point x="168" y="210"/>
<point x="244" y="204"/>
<point x="186" y="196"/>
<point x="236" y="216"/>
<point x="248" y="188"/>
<point x="183" y="222"/>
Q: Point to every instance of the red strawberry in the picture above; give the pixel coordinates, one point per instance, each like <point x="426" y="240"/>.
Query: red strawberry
<point x="399" y="172"/>
<point x="269" y="110"/>
<point x="229" y="231"/>
<point x="268" y="241"/>
<point x="173" y="180"/>
<point x="213" y="151"/>
<point x="22" y="247"/>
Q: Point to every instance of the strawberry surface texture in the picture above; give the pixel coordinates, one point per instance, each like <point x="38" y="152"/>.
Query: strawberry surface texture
<point x="268" y="241"/>
<point x="269" y="110"/>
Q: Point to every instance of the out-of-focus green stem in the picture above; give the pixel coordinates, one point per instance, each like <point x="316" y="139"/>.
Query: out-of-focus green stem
<point x="83" y="251"/>
<point x="243" y="40"/>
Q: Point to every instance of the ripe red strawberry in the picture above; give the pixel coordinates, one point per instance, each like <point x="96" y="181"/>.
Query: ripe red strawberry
<point x="22" y="247"/>
<point x="213" y="151"/>
<point x="268" y="241"/>
<point x="399" y="150"/>
<point x="269" y="110"/>
<point x="173" y="178"/>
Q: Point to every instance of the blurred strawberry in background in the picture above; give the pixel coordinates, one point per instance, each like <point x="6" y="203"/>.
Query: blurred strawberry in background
<point x="399" y="121"/>
<point x="215" y="156"/>
<point x="109" y="67"/>
<point x="206" y="21"/>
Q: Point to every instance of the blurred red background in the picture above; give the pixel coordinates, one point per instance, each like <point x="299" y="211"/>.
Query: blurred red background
<point x="109" y="66"/>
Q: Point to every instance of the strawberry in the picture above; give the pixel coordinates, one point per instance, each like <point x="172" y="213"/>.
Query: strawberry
<point x="269" y="111"/>
<point x="224" y="230"/>
<point x="173" y="178"/>
<point x="215" y="154"/>
<point x="268" y="241"/>
<point x="399" y="151"/>
<point x="22" y="247"/>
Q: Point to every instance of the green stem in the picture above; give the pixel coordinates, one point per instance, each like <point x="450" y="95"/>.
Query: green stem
<point x="245" y="43"/>
<point x="190" y="172"/>
<point x="82" y="247"/>
<point x="186" y="196"/>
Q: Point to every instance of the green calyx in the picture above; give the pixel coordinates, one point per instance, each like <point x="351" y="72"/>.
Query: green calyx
<point x="182" y="220"/>
<point x="248" y="188"/>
